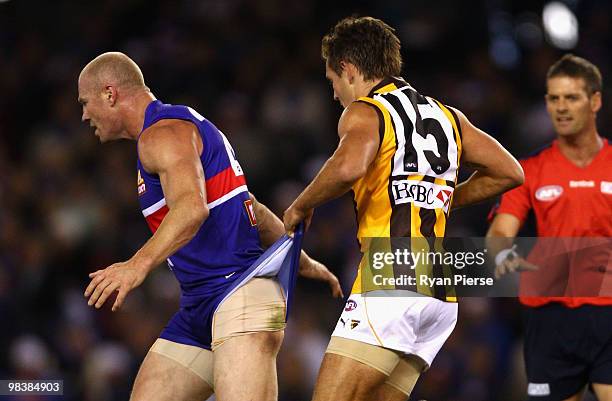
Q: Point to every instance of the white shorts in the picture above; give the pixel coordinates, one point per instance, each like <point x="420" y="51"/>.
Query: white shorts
<point x="413" y="325"/>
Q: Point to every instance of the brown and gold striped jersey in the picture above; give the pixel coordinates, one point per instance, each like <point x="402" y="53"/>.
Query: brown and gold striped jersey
<point x="408" y="189"/>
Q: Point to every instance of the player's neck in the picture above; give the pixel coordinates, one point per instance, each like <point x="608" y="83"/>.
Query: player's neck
<point x="366" y="87"/>
<point x="136" y="113"/>
<point x="582" y="148"/>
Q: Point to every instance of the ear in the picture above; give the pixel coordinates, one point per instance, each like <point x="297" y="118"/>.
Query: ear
<point x="110" y="95"/>
<point x="343" y="65"/>
<point x="350" y="70"/>
<point x="595" y="101"/>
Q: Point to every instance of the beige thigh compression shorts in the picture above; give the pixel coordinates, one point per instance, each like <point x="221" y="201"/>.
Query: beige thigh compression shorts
<point x="403" y="371"/>
<point x="259" y="305"/>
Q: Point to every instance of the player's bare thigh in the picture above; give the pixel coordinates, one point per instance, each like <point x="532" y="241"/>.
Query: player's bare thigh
<point x="357" y="370"/>
<point x="603" y="391"/>
<point x="245" y="367"/>
<point x="342" y="379"/>
<point x="248" y="330"/>
<point x="401" y="381"/>
<point x="167" y="378"/>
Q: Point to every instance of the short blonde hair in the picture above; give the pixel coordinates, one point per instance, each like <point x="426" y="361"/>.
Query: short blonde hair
<point x="117" y="68"/>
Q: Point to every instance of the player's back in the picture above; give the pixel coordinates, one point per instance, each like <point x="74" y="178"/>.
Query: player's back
<point x="227" y="243"/>
<point x="407" y="191"/>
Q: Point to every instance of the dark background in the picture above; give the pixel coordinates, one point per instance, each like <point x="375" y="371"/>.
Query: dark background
<point x="69" y="204"/>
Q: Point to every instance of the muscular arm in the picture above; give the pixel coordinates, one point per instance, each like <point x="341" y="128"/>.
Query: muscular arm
<point x="359" y="142"/>
<point x="170" y="149"/>
<point x="172" y="152"/>
<point x="496" y="169"/>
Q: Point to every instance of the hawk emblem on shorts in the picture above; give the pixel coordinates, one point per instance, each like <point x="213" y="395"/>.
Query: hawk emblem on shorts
<point x="354" y="323"/>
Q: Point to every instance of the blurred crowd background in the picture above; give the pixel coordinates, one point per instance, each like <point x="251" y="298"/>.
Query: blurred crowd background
<point x="69" y="205"/>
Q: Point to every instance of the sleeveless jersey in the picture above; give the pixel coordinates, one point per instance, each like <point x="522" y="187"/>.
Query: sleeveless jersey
<point x="408" y="189"/>
<point x="227" y="243"/>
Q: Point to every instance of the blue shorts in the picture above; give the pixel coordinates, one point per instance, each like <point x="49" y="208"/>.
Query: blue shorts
<point x="192" y="324"/>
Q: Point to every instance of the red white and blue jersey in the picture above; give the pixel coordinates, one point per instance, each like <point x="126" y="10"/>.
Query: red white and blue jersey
<point x="227" y="243"/>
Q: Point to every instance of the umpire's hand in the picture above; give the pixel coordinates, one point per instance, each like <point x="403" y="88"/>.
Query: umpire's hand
<point x="514" y="264"/>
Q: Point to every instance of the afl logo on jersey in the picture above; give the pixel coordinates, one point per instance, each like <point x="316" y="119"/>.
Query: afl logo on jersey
<point x="548" y="193"/>
<point x="142" y="188"/>
<point x="350" y="305"/>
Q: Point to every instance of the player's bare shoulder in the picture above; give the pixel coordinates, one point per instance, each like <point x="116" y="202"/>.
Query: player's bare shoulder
<point x="167" y="139"/>
<point x="462" y="120"/>
<point x="359" y="118"/>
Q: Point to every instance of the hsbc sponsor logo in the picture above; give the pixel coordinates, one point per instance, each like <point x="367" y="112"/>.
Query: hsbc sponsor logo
<point x="421" y="193"/>
<point x="445" y="196"/>
<point x="606" y="187"/>
<point x="548" y="193"/>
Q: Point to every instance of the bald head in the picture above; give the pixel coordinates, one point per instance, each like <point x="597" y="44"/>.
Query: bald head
<point x="114" y="97"/>
<point x="113" y="69"/>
